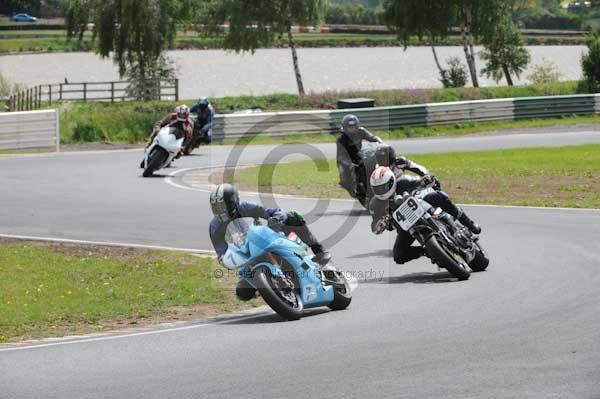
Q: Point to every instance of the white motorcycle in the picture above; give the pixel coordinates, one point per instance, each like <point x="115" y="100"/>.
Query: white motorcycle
<point x="164" y="148"/>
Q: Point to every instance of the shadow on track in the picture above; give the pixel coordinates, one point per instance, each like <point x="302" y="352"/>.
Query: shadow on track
<point x="380" y="253"/>
<point x="347" y="213"/>
<point x="274" y="318"/>
<point x="414" y="278"/>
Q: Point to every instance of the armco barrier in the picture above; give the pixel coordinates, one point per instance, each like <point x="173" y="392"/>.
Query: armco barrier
<point x="385" y="118"/>
<point x="31" y="129"/>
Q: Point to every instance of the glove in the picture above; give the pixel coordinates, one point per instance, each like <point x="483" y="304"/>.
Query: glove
<point x="280" y="216"/>
<point x="382" y="225"/>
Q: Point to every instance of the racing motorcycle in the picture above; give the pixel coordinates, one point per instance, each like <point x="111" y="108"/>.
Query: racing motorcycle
<point x="279" y="268"/>
<point x="355" y="178"/>
<point x="198" y="137"/>
<point x="447" y="242"/>
<point x="163" y="149"/>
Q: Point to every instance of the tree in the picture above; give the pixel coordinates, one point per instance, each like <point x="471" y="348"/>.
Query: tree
<point x="256" y="23"/>
<point x="135" y="33"/>
<point x="422" y="18"/>
<point x="504" y="52"/>
<point x="78" y="13"/>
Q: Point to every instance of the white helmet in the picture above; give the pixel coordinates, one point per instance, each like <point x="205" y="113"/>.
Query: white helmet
<point x="183" y="112"/>
<point x="383" y="183"/>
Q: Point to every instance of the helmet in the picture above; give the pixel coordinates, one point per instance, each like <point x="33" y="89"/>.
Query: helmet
<point x="183" y="112"/>
<point x="225" y="202"/>
<point x="385" y="155"/>
<point x="383" y="183"/>
<point x="350" y="124"/>
<point x="203" y="102"/>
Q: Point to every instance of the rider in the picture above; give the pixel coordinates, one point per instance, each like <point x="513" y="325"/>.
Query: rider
<point x="226" y="206"/>
<point x="385" y="155"/>
<point x="181" y="115"/>
<point x="206" y="114"/>
<point x="349" y="142"/>
<point x="386" y="184"/>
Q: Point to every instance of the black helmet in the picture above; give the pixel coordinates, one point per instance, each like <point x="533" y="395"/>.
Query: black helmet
<point x="385" y="155"/>
<point x="350" y="124"/>
<point x="203" y="103"/>
<point x="225" y="202"/>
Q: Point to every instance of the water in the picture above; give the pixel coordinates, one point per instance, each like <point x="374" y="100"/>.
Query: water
<point x="218" y="73"/>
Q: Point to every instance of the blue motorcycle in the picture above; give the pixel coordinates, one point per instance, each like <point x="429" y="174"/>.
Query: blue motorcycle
<point x="279" y="268"/>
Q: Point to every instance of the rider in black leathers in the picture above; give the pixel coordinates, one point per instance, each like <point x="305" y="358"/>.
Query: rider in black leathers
<point x="349" y="143"/>
<point x="382" y="204"/>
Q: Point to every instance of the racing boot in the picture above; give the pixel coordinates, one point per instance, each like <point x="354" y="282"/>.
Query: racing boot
<point x="469" y="223"/>
<point x="321" y="257"/>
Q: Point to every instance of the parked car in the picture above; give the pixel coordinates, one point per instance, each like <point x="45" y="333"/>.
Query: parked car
<point x="22" y="17"/>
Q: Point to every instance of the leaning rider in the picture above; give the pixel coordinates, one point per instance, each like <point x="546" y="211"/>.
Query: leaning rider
<point x="386" y="184"/>
<point x="226" y="206"/>
<point x="180" y="116"/>
<point x="206" y="113"/>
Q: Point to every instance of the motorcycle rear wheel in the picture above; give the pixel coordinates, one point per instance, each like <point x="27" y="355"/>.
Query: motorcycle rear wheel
<point x="278" y="304"/>
<point x="440" y="254"/>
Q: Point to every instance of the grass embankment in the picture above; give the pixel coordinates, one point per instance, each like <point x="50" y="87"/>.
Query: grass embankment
<point x="55" y="40"/>
<point x="554" y="177"/>
<point x="130" y="122"/>
<point x="51" y="290"/>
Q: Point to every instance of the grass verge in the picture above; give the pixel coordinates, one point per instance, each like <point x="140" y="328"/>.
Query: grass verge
<point x="549" y="177"/>
<point x="49" y="290"/>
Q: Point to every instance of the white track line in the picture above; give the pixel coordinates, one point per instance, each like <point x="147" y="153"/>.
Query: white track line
<point x="107" y="244"/>
<point x="72" y="341"/>
<point x="169" y="180"/>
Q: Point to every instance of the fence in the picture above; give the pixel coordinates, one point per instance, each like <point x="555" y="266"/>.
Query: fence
<point x="32" y="129"/>
<point x="386" y="118"/>
<point x="41" y="95"/>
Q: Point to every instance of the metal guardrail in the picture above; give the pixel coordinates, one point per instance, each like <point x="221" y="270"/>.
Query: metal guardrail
<point x="31" y="129"/>
<point x="386" y="118"/>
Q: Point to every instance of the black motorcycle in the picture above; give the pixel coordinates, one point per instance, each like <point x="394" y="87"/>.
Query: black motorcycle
<point x="198" y="137"/>
<point x="447" y="242"/>
<point x="354" y="178"/>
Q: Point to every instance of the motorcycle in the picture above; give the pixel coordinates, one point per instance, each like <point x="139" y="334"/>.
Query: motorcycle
<point x="279" y="268"/>
<point x="198" y="137"/>
<point x="447" y="242"/>
<point x="163" y="149"/>
<point x="355" y="178"/>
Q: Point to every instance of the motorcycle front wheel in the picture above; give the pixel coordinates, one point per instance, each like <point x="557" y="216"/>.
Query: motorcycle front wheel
<point x="481" y="261"/>
<point x="444" y="258"/>
<point x="279" y="302"/>
<point x="155" y="159"/>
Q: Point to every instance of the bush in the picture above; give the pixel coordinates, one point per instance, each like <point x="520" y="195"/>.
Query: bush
<point x="86" y="132"/>
<point x="545" y="74"/>
<point x="590" y="64"/>
<point x="456" y="75"/>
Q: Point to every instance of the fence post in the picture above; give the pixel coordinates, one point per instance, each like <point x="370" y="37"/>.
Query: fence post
<point x="39" y="96"/>
<point x="112" y="92"/>
<point x="176" y="89"/>
<point x="60" y="91"/>
<point x="36" y="97"/>
<point x="50" y="94"/>
<point x="10" y="101"/>
<point x="28" y="100"/>
<point x="85" y="92"/>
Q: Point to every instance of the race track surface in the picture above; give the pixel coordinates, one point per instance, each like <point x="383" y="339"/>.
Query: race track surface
<point x="528" y="327"/>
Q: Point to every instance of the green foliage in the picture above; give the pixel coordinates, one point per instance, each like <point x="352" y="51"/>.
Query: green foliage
<point x="353" y="14"/>
<point x="131" y="122"/>
<point x="590" y="63"/>
<point x="504" y="52"/>
<point x="456" y="75"/>
<point x="419" y="18"/>
<point x="78" y="13"/>
<point x="545" y="74"/>
<point x="256" y="23"/>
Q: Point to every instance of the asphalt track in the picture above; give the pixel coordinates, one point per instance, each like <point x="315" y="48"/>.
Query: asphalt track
<point x="529" y="327"/>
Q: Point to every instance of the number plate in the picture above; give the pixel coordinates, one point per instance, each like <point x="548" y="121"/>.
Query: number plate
<point x="410" y="212"/>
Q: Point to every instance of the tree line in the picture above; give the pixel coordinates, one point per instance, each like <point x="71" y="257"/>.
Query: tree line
<point x="136" y="33"/>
